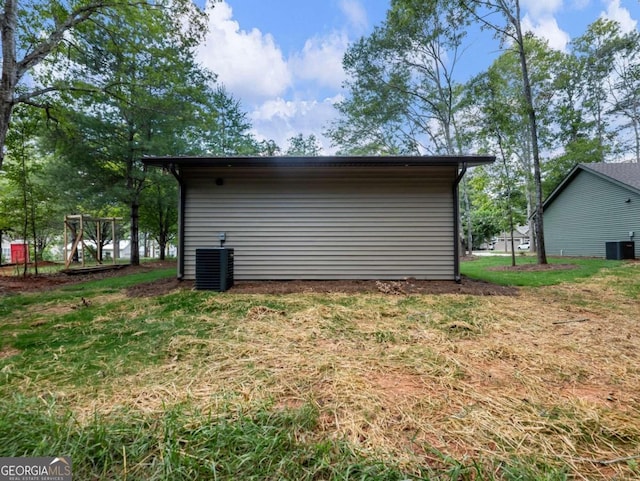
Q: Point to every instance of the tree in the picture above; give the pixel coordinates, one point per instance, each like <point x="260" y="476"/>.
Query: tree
<point x="153" y="99"/>
<point x="403" y="97"/>
<point x="158" y="209"/>
<point x="301" y="146"/>
<point x="372" y="116"/>
<point x="230" y="133"/>
<point x="593" y="55"/>
<point x="34" y="33"/>
<point x="511" y="30"/>
<point x="625" y="88"/>
<point x="596" y="100"/>
<point x="268" y="148"/>
<point x="498" y="126"/>
<point x="499" y="112"/>
<point x="574" y="129"/>
<point x="27" y="208"/>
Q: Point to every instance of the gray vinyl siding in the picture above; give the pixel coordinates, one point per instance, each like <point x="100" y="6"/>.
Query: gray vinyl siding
<point x="589" y="212"/>
<point x="324" y="223"/>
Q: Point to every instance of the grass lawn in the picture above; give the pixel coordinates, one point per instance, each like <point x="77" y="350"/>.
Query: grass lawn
<point x="204" y="385"/>
<point x="497" y="269"/>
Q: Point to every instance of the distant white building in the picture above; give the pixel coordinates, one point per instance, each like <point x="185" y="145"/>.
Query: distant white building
<point x="520" y="235"/>
<point x="13" y="250"/>
<point x="124" y="250"/>
<point x="6" y="250"/>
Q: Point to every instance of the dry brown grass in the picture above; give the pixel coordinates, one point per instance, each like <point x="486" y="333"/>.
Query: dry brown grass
<point x="551" y="374"/>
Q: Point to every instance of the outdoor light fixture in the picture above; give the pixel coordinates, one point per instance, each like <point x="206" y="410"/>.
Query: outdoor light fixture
<point x="628" y="201"/>
<point x="219" y="181"/>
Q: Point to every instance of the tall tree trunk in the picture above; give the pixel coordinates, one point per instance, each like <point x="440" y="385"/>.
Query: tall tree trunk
<point x="135" y="240"/>
<point x="162" y="244"/>
<point x="36" y="251"/>
<point x="533" y="127"/>
<point x="513" y="18"/>
<point x="9" y="80"/>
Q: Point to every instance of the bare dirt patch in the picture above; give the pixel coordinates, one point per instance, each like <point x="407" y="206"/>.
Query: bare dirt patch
<point x="8" y="351"/>
<point x="15" y="283"/>
<point x="157" y="288"/>
<point x="404" y="287"/>
<point x="12" y="283"/>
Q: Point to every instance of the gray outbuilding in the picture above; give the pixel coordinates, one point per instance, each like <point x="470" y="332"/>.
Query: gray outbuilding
<point x="321" y="218"/>
<point x="594" y="205"/>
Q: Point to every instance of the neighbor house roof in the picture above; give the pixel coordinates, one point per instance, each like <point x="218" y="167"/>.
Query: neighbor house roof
<point x="626" y="175"/>
<point x="320" y="161"/>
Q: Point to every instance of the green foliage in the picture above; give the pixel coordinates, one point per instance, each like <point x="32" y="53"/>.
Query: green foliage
<point x="141" y="92"/>
<point x="147" y="96"/>
<point x="403" y="98"/>
<point x="27" y="205"/>
<point x="299" y="146"/>
<point x="159" y="208"/>
<point x="579" y="151"/>
<point x="229" y="133"/>
<point x="491" y="201"/>
<point x="47" y="35"/>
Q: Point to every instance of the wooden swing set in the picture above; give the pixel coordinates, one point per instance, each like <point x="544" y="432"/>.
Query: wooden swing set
<point x="77" y="225"/>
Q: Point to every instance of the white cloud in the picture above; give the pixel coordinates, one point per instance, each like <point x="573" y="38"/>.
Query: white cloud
<point x="548" y="29"/>
<point x="356" y="15"/>
<point x="281" y="119"/>
<point x="283" y="97"/>
<point x="249" y="64"/>
<point x="541" y="8"/>
<point x="275" y="108"/>
<point x="321" y="60"/>
<point x="620" y="15"/>
<point x="579" y="4"/>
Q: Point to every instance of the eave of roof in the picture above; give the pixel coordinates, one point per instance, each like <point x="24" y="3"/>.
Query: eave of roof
<point x="320" y="161"/>
<point x="574" y="172"/>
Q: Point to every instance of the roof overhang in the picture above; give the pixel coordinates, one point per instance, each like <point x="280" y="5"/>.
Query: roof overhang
<point x="320" y="161"/>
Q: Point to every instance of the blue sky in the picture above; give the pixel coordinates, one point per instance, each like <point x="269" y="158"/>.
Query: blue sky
<point x="282" y="58"/>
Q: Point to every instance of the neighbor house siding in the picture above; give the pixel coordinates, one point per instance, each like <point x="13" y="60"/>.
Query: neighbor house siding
<point x="589" y="212"/>
<point x="324" y="223"/>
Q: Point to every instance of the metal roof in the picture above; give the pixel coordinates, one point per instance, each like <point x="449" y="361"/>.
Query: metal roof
<point x="320" y="161"/>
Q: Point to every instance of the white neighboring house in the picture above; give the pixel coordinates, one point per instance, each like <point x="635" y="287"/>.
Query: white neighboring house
<point x="520" y="236"/>
<point x="6" y="250"/>
<point x="124" y="250"/>
<point x="107" y="250"/>
<point x="13" y="250"/>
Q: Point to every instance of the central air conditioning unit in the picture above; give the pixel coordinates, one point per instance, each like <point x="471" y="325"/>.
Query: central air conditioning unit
<point x="214" y="269"/>
<point x="620" y="250"/>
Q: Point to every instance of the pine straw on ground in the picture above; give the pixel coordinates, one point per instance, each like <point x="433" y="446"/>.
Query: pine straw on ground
<point x="551" y="374"/>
